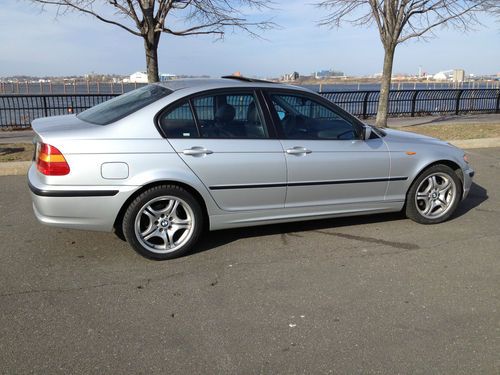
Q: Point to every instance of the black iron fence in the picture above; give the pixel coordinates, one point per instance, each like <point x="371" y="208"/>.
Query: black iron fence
<point x="419" y="102"/>
<point x="17" y="111"/>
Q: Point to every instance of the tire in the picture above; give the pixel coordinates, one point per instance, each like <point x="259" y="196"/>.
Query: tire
<point x="163" y="222"/>
<point x="434" y="195"/>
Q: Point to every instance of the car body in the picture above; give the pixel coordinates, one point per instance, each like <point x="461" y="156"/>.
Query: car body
<point x="248" y="152"/>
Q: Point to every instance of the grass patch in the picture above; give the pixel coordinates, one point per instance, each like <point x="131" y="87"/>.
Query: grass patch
<point x="16" y="152"/>
<point x="457" y="131"/>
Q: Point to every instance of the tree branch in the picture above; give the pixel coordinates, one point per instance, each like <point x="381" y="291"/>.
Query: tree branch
<point x="70" y="5"/>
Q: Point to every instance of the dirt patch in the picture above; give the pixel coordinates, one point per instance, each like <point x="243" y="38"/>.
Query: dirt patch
<point x="457" y="131"/>
<point x="16" y="152"/>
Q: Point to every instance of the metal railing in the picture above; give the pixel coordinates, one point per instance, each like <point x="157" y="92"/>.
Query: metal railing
<point x="419" y="102"/>
<point x="17" y="110"/>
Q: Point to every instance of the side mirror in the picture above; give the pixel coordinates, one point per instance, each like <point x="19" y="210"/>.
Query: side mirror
<point x="367" y="132"/>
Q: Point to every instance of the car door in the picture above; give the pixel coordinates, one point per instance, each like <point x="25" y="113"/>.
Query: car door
<point x="327" y="161"/>
<point x="223" y="137"/>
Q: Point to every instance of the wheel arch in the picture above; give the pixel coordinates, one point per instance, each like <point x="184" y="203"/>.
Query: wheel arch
<point x="117" y="225"/>
<point x="449" y="163"/>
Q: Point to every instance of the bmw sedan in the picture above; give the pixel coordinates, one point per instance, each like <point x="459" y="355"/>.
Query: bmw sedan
<point x="163" y="162"/>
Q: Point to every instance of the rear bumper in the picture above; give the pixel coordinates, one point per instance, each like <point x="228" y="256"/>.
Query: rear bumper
<point x="77" y="207"/>
<point x="468" y="175"/>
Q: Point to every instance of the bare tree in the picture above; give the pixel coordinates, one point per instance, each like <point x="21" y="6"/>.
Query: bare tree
<point x="148" y="19"/>
<point x="398" y="21"/>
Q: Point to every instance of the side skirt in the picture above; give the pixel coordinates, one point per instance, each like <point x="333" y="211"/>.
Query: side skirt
<point x="264" y="217"/>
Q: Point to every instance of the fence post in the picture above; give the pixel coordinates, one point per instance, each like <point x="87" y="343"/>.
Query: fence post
<point x="498" y="102"/>
<point x="414" y="102"/>
<point x="45" y="109"/>
<point x="457" y="106"/>
<point x="365" y="104"/>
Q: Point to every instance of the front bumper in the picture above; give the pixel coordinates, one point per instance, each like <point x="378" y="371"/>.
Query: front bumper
<point x="77" y="207"/>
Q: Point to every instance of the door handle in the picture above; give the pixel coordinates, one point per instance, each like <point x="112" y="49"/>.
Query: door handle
<point x="197" y="151"/>
<point x="297" y="150"/>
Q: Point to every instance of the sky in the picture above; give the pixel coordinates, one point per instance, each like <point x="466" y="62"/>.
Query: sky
<point x="40" y="43"/>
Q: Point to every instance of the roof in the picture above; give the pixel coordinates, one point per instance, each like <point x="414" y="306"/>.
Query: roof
<point x="214" y="83"/>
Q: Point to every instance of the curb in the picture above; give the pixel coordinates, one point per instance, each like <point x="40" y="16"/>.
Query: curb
<point x="14" y="168"/>
<point x="17" y="168"/>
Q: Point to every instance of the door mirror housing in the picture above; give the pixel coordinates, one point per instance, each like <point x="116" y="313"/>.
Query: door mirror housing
<point x="367" y="132"/>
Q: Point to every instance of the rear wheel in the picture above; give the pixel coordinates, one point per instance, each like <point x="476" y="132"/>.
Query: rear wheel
<point x="163" y="222"/>
<point x="434" y="195"/>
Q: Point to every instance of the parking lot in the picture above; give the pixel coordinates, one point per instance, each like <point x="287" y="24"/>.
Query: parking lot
<point x="374" y="294"/>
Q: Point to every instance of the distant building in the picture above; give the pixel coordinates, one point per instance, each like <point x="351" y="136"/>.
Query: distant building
<point x="142" y="77"/>
<point x="442" y="76"/>
<point x="167" y="77"/>
<point x="328" y="74"/>
<point x="138" y="77"/>
<point x="290" y="77"/>
<point x="458" y="75"/>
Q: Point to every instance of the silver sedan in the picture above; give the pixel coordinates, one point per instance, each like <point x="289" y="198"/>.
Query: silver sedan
<point x="164" y="162"/>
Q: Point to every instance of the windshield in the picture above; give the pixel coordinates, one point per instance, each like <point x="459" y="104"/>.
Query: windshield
<point x="123" y="105"/>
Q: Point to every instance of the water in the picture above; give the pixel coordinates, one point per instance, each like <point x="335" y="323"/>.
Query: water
<point x="118" y="88"/>
<point x="19" y="111"/>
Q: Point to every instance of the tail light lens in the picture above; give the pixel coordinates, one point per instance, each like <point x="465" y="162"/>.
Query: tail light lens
<point x="50" y="161"/>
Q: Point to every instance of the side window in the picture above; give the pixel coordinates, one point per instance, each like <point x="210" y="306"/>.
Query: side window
<point x="179" y="122"/>
<point x="303" y="118"/>
<point x="229" y="116"/>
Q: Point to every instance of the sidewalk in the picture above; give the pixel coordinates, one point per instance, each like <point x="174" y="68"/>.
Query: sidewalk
<point x="401" y="122"/>
<point x="16" y="136"/>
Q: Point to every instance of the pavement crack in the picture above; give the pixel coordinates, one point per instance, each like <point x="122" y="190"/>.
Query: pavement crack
<point x="395" y="244"/>
<point x="144" y="283"/>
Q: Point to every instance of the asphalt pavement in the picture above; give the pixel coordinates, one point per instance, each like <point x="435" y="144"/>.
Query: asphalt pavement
<point x="369" y="295"/>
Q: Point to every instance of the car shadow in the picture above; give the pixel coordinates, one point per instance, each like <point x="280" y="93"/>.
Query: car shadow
<point x="477" y="195"/>
<point x="211" y="240"/>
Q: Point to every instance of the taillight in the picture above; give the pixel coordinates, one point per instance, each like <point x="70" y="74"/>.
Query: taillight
<point x="50" y="161"/>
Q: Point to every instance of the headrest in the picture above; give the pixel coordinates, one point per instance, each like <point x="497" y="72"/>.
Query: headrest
<point x="252" y="113"/>
<point x="225" y="113"/>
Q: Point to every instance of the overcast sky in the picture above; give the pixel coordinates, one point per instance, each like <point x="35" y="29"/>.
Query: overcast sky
<point x="38" y="43"/>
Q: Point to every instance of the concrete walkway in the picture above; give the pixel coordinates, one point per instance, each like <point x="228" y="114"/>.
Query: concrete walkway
<point x="401" y="122"/>
<point x="16" y="136"/>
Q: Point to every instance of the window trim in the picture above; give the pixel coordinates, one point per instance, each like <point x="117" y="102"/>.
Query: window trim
<point x="255" y="92"/>
<point x="356" y="124"/>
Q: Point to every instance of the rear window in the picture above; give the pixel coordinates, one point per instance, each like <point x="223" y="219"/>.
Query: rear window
<point x="123" y="105"/>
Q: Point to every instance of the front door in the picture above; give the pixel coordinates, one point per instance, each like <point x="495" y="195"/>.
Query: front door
<point x="326" y="160"/>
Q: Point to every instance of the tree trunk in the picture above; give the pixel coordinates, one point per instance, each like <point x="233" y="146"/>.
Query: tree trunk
<point x="385" y="86"/>
<point x="151" y="42"/>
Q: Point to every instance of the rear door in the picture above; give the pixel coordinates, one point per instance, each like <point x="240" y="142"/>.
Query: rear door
<point x="327" y="161"/>
<point x="224" y="138"/>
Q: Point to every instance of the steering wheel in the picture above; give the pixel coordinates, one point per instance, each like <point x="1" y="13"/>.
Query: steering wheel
<point x="292" y="124"/>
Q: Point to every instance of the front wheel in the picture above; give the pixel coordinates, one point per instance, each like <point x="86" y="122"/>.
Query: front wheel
<point x="163" y="222"/>
<point x="434" y="195"/>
